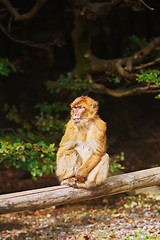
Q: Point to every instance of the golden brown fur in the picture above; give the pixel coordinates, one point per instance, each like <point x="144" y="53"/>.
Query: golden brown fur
<point x="82" y="160"/>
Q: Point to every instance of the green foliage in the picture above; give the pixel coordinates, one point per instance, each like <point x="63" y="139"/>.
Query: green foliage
<point x="12" y="113"/>
<point x="150" y="76"/>
<point x="48" y="108"/>
<point x="38" y="158"/>
<point x="48" y="123"/>
<point x="69" y="83"/>
<point x="50" y="119"/>
<point x="115" y="164"/>
<point x="32" y="144"/>
<point x="158" y="96"/>
<point x="112" y="78"/>
<point x="6" y="67"/>
<point x="135" y="43"/>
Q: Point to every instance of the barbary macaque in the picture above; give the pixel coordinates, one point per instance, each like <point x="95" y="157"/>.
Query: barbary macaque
<point x="82" y="160"/>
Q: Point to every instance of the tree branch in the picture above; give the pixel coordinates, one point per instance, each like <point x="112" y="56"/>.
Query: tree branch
<point x="147" y="64"/>
<point x="100" y="9"/>
<point x="29" y="43"/>
<point x="123" y="66"/>
<point x="146" y="5"/>
<point x="93" y="10"/>
<point x="142" y="54"/>
<point x="26" y="16"/>
<point x="136" y="90"/>
<point x="10" y="8"/>
<point x="46" y="197"/>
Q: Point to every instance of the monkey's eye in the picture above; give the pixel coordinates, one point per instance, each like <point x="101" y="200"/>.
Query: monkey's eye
<point x="80" y="107"/>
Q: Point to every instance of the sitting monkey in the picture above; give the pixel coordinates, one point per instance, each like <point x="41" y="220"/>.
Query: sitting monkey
<point x="82" y="160"/>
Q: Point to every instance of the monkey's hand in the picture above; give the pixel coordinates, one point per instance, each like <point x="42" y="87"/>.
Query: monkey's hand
<point x="80" y="176"/>
<point x="69" y="181"/>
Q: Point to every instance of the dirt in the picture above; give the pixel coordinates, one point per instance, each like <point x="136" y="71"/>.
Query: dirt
<point x="115" y="217"/>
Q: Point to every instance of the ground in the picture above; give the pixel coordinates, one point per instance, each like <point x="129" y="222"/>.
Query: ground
<point x="116" y="217"/>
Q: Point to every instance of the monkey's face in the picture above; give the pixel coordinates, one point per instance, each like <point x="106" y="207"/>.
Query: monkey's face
<point x="77" y="113"/>
<point x="83" y="110"/>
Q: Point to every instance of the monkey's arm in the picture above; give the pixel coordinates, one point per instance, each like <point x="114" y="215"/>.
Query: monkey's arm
<point x="68" y="140"/>
<point x="98" y="142"/>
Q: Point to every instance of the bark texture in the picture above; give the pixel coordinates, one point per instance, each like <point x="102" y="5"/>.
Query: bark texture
<point x="46" y="197"/>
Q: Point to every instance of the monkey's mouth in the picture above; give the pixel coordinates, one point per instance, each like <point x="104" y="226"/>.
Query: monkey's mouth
<point x="79" y="120"/>
<point x="76" y="119"/>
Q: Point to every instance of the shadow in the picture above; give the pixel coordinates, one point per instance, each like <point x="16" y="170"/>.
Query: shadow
<point x="10" y="226"/>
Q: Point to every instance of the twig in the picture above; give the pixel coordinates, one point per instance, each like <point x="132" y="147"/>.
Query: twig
<point x="8" y="130"/>
<point x="146" y="5"/>
<point x="26" y="16"/>
<point x="147" y="64"/>
<point x="26" y="42"/>
<point x="29" y="43"/>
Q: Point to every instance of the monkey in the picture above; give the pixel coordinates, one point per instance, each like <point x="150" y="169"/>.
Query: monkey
<point x="82" y="161"/>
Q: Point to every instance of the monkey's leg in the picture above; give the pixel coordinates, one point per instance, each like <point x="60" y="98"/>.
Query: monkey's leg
<point x="98" y="175"/>
<point x="67" y="165"/>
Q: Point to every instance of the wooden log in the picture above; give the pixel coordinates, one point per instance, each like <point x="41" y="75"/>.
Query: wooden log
<point x="46" y="197"/>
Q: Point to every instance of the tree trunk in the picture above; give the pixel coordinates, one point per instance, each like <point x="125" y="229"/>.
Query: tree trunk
<point x="81" y="42"/>
<point x="46" y="197"/>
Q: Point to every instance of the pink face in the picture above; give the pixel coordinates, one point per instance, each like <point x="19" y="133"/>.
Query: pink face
<point x="77" y="113"/>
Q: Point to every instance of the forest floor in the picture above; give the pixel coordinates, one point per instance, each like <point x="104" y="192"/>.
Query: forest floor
<point x="116" y="217"/>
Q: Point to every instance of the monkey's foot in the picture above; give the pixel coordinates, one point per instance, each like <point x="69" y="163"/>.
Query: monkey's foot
<point x="71" y="182"/>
